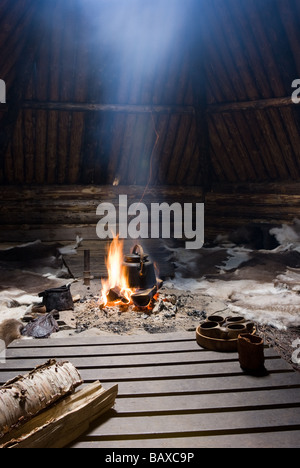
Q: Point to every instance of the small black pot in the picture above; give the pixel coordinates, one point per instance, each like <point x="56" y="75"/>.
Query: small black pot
<point x="58" y="299"/>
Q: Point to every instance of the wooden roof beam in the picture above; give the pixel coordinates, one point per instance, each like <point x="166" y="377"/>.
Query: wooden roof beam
<point x="251" y="105"/>
<point x="121" y="108"/>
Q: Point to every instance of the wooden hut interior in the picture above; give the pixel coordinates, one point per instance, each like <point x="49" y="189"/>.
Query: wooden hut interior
<point x="166" y="132"/>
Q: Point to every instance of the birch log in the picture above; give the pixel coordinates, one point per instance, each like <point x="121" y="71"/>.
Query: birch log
<point x="26" y="396"/>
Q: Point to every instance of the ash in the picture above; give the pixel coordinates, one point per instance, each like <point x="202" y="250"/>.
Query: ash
<point x="172" y="311"/>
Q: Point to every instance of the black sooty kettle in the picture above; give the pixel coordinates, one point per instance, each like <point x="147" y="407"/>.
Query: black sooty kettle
<point x="139" y="270"/>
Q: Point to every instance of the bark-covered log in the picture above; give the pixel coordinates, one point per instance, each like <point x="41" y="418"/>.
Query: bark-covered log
<point x="62" y="423"/>
<point x="26" y="396"/>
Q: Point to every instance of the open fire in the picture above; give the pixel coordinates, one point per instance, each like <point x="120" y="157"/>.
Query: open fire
<point x="131" y="278"/>
<point x="116" y="287"/>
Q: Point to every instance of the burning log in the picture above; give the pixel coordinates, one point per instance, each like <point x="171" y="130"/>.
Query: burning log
<point x="115" y="294"/>
<point x="25" y="396"/>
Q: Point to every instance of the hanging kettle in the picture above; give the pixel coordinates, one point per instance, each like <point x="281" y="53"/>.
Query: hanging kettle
<point x="139" y="270"/>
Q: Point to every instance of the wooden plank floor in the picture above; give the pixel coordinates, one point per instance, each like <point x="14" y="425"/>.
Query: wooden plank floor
<point x="172" y="393"/>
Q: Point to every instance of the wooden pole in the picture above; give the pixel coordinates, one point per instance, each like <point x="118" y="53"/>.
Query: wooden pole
<point x="198" y="58"/>
<point x="87" y="268"/>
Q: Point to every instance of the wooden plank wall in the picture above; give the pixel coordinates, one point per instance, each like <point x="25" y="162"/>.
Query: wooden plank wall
<point x="252" y="59"/>
<point x="60" y="213"/>
<point x="109" y="95"/>
<point x="231" y="206"/>
<point x="94" y="109"/>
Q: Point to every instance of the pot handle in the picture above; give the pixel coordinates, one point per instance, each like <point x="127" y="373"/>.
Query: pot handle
<point x="142" y="255"/>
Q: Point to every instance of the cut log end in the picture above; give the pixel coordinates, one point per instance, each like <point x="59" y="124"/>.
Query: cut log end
<point x="26" y="396"/>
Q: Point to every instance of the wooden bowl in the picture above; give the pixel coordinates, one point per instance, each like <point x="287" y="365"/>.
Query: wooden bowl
<point x="216" y="344"/>
<point x="210" y="329"/>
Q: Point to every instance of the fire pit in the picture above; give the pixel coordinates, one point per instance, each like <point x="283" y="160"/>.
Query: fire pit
<point x="170" y="310"/>
<point x="129" y="299"/>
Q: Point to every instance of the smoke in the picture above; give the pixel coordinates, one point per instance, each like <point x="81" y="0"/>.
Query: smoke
<point x="136" y="36"/>
<point x="135" y="52"/>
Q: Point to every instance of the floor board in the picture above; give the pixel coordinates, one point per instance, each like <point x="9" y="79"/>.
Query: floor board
<point x="172" y="393"/>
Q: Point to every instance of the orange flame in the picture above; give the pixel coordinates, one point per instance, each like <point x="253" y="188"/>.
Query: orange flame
<point x="116" y="275"/>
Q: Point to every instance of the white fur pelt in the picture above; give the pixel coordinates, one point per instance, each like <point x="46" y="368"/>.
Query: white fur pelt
<point x="262" y="285"/>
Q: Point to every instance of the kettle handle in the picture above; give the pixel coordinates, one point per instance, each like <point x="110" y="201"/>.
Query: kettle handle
<point x="142" y="255"/>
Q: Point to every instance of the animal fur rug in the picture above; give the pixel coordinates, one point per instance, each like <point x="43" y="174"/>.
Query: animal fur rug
<point x="27" y="270"/>
<point x="262" y="285"/>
